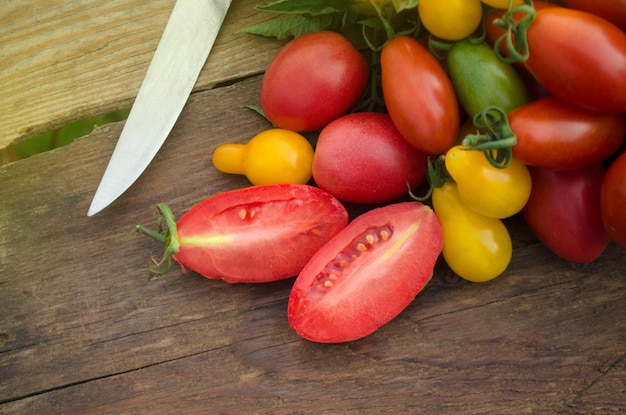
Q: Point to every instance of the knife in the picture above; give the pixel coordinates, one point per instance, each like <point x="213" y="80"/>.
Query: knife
<point x="182" y="51"/>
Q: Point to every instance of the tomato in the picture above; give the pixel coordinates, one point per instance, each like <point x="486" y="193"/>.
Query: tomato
<point x="554" y="134"/>
<point x="363" y="158"/>
<point x="367" y="274"/>
<point x="271" y="157"/>
<point x="255" y="234"/>
<point x="563" y="211"/>
<point x="482" y="80"/>
<point x="612" y="10"/>
<point x="475" y="247"/>
<point x="419" y="96"/>
<point x="452" y="19"/>
<point x="613" y="200"/>
<point x="312" y="80"/>
<point x="489" y="191"/>
<point x="579" y="57"/>
<point x="502" y="4"/>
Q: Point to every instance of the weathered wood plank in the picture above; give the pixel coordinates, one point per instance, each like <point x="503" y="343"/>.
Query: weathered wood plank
<point x="61" y="61"/>
<point x="85" y="328"/>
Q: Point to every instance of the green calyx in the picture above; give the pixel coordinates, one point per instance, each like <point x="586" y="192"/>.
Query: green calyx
<point x="516" y="33"/>
<point x="436" y="176"/>
<point x="497" y="140"/>
<point x="168" y="236"/>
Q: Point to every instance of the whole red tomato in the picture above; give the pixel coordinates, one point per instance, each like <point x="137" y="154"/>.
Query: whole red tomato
<point x="579" y="57"/>
<point x="554" y="134"/>
<point x="419" y="96"/>
<point x="367" y="274"/>
<point x="612" y="10"/>
<point x="613" y="200"/>
<point x="563" y="211"/>
<point x="363" y="158"/>
<point x="313" y="79"/>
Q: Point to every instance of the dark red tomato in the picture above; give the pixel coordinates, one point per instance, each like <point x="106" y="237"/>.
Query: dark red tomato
<point x="613" y="200"/>
<point x="367" y="274"/>
<point x="313" y="79"/>
<point x="419" y="95"/>
<point x="554" y="134"/>
<point x="612" y="10"/>
<point x="363" y="158"/>
<point x="563" y="211"/>
<point x="579" y="57"/>
<point x="256" y="234"/>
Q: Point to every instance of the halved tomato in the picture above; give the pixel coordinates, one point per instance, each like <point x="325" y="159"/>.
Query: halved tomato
<point x="366" y="274"/>
<point x="255" y="234"/>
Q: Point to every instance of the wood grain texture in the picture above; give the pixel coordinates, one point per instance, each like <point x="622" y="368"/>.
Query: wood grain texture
<point x="86" y="329"/>
<point x="62" y="61"/>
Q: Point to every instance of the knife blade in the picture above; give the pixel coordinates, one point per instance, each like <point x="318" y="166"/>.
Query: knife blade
<point x="180" y="55"/>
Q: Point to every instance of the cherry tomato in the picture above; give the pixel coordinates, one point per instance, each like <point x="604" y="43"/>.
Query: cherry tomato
<point x="482" y="80"/>
<point x="612" y="10"/>
<point x="563" y="211"/>
<point x="613" y="200"/>
<point x="271" y="157"/>
<point x="419" y="96"/>
<point x="489" y="191"/>
<point x="367" y="274"/>
<point x="554" y="134"/>
<point x="452" y="19"/>
<point x="475" y="247"/>
<point x="363" y="158"/>
<point x="313" y="80"/>
<point x="255" y="234"/>
<point x="579" y="57"/>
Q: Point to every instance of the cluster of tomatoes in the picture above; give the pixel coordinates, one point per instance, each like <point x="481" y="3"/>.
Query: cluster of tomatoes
<point x="491" y="138"/>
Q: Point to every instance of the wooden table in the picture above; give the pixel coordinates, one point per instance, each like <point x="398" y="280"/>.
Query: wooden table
<point x="86" y="329"/>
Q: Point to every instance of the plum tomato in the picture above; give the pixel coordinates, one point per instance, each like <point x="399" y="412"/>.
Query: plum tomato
<point x="363" y="158"/>
<point x="367" y="274"/>
<point x="419" y="95"/>
<point x="312" y="80"/>
<point x="255" y="234"/>
<point x="612" y="10"/>
<point x="613" y="200"/>
<point x="563" y="211"/>
<point x="554" y="134"/>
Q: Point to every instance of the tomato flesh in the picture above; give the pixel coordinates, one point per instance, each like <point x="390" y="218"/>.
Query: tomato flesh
<point x="367" y="274"/>
<point x="259" y="233"/>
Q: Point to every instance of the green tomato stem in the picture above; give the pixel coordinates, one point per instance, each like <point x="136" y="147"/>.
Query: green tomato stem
<point x="168" y="237"/>
<point x="497" y="141"/>
<point x="516" y="33"/>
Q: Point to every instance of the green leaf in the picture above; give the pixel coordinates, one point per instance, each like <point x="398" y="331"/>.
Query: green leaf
<point x="310" y="7"/>
<point x="289" y="26"/>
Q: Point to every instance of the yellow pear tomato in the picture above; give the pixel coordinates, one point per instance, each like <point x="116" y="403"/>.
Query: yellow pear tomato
<point x="450" y="19"/>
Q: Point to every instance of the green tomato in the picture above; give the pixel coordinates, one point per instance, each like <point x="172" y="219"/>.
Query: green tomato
<point x="482" y="80"/>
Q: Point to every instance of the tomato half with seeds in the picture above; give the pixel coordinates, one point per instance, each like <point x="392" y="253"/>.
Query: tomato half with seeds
<point x="255" y="234"/>
<point x="367" y="274"/>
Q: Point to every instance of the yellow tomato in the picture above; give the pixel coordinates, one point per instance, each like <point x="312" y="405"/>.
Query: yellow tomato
<point x="274" y="156"/>
<point x="450" y="19"/>
<point x="475" y="247"/>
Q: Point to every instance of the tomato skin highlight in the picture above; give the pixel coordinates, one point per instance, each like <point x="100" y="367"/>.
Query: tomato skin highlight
<point x="564" y="212"/>
<point x="476" y="248"/>
<point x="340" y="298"/>
<point x="419" y="96"/>
<point x="296" y="95"/>
<point x="554" y="134"/>
<point x="579" y="57"/>
<point x="612" y="10"/>
<point x="258" y="233"/>
<point x="613" y="200"/>
<point x="363" y="158"/>
<point x="482" y="80"/>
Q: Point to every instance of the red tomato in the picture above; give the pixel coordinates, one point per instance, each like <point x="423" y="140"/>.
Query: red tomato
<point x="367" y="274"/>
<point x="612" y="10"/>
<point x="563" y="211"/>
<point x="256" y="234"/>
<point x="362" y="158"/>
<point x="613" y="200"/>
<point x="579" y="57"/>
<point x="313" y="79"/>
<point x="419" y="96"/>
<point x="554" y="134"/>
